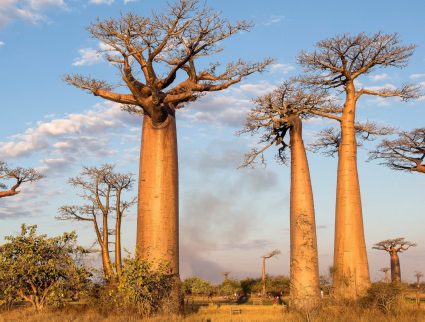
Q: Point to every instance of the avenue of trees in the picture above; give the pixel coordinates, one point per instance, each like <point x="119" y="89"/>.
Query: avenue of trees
<point x="158" y="60"/>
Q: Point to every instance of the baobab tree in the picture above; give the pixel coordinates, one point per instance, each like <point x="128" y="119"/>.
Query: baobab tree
<point x="102" y="188"/>
<point x="406" y="153"/>
<point x="263" y="267"/>
<point x="13" y="178"/>
<point x="158" y="59"/>
<point x="337" y="64"/>
<point x="385" y="270"/>
<point x="393" y="247"/>
<point x="418" y="276"/>
<point x="275" y="115"/>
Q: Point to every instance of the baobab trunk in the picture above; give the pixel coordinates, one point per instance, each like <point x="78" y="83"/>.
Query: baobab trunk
<point x="157" y="221"/>
<point x="118" y="260"/>
<point x="263" y="277"/>
<point x="304" y="287"/>
<point x="351" y="275"/>
<point x="395" y="267"/>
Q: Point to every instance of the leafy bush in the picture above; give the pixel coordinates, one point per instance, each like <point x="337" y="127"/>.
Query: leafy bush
<point x="140" y="288"/>
<point x="197" y="286"/>
<point x="40" y="270"/>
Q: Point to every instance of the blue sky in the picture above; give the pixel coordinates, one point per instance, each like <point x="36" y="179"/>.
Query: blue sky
<point x="229" y="217"/>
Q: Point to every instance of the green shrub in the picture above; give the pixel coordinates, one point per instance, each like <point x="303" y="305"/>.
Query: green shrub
<point x="141" y="289"/>
<point x="40" y="270"/>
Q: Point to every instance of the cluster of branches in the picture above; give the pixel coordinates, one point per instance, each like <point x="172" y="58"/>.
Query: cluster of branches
<point x="102" y="188"/>
<point x="343" y="58"/>
<point x="17" y="176"/>
<point x="328" y="140"/>
<point x="171" y="42"/>
<point x="274" y="114"/>
<point x="407" y="152"/>
<point x="398" y="245"/>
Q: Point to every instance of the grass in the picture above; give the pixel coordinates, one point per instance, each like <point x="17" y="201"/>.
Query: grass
<point x="220" y="313"/>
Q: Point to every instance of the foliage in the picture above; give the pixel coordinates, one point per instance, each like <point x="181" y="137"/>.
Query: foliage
<point x="141" y="288"/>
<point x="197" y="286"/>
<point x="39" y="269"/>
<point x="384" y="296"/>
<point x="229" y="287"/>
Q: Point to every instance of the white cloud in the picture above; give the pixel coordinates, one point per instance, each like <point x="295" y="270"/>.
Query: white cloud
<point x="88" y="56"/>
<point x="108" y="2"/>
<point x="128" y="1"/>
<point x="2" y="43"/>
<point x="273" y="20"/>
<point x="379" y="77"/>
<point x="28" y="10"/>
<point x="87" y="133"/>
<point x="417" y="76"/>
<point x="380" y="88"/>
<point x="281" y="68"/>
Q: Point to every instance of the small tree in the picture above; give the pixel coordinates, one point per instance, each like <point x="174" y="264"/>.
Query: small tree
<point x="393" y="247"/>
<point x="418" y="276"/>
<point x="385" y="270"/>
<point x="386" y="297"/>
<point x="35" y="267"/>
<point x="273" y="253"/>
<point x="406" y="153"/>
<point x="102" y="188"/>
<point x="17" y="176"/>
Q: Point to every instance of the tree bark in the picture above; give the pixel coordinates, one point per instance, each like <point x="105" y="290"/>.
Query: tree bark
<point x="395" y="267"/>
<point x="304" y="270"/>
<point x="157" y="221"/>
<point x="263" y="277"/>
<point x="118" y="260"/>
<point x="8" y="193"/>
<point x="351" y="275"/>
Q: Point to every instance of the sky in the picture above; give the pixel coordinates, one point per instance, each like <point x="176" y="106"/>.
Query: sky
<point x="229" y="217"/>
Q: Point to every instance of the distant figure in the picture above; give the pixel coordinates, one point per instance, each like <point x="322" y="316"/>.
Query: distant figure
<point x="321" y="293"/>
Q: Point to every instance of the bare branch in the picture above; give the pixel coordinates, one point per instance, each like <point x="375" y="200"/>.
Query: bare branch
<point x="169" y="42"/>
<point x="17" y="176"/>
<point x="406" y="153"/>
<point x="274" y="115"/>
<point x="397" y="245"/>
<point x="406" y="92"/>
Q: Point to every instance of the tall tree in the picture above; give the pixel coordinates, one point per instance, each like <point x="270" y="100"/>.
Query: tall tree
<point x="18" y="176"/>
<point x="406" y="153"/>
<point x="274" y="115"/>
<point x="263" y="268"/>
<point x="158" y="58"/>
<point x="102" y="188"/>
<point x="393" y="247"/>
<point x="337" y="64"/>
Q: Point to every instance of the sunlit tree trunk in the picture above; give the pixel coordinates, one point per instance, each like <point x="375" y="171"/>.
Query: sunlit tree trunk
<point x="157" y="222"/>
<point x="304" y="286"/>
<point x="351" y="275"/>
<point x="395" y="267"/>
<point x="118" y="260"/>
<point x="263" y="276"/>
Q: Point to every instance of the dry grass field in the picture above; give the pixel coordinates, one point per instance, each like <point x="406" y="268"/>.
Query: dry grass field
<point x="214" y="313"/>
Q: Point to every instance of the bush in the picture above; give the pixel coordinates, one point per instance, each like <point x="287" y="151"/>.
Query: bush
<point x="196" y="286"/>
<point x="386" y="297"/>
<point x="40" y="270"/>
<point x="140" y="288"/>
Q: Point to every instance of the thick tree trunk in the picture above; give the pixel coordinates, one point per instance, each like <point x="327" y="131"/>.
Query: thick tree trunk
<point x="263" y="276"/>
<point x="106" y="262"/>
<point x="304" y="270"/>
<point x="157" y="221"/>
<point x="351" y="275"/>
<point x="118" y="260"/>
<point x="395" y="267"/>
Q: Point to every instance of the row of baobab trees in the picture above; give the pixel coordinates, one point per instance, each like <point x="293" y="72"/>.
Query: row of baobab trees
<point x="158" y="58"/>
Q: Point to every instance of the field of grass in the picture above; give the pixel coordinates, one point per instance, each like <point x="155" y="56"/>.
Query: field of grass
<point x="221" y="312"/>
